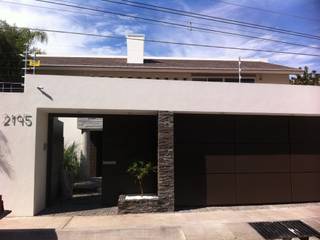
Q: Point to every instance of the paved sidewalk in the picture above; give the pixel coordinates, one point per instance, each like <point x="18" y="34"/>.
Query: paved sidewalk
<point x="224" y="223"/>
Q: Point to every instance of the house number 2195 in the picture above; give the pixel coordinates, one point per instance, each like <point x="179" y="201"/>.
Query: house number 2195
<point x="17" y="120"/>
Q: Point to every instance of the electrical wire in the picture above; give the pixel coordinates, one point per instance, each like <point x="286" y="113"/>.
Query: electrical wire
<point x="101" y="15"/>
<point x="172" y="42"/>
<point x="269" y="11"/>
<point x="180" y="25"/>
<point x="181" y="12"/>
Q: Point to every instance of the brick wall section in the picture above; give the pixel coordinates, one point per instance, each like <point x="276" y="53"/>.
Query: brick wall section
<point x="165" y="200"/>
<point x="166" y="160"/>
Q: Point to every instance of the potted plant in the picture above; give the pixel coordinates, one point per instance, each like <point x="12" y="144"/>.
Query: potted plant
<point x="70" y="169"/>
<point x="139" y="170"/>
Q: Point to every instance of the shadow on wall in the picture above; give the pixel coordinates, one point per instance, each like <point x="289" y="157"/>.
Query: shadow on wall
<point x="5" y="155"/>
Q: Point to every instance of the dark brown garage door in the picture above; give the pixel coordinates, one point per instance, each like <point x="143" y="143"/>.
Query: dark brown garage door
<point x="230" y="160"/>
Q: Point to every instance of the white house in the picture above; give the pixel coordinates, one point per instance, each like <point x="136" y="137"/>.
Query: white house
<point x="216" y="141"/>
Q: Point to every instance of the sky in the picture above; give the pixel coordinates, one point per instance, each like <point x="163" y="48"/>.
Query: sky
<point x="298" y="15"/>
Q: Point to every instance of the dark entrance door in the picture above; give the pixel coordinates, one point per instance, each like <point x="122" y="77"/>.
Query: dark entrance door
<point x="230" y="160"/>
<point x="127" y="138"/>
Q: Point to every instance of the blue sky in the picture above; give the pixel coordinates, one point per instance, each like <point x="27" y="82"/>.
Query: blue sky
<point x="81" y="21"/>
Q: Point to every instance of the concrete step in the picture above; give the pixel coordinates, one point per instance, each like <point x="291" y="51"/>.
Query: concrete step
<point x="160" y="233"/>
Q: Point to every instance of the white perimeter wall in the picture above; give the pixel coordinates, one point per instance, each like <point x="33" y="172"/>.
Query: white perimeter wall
<point x="23" y="149"/>
<point x="71" y="133"/>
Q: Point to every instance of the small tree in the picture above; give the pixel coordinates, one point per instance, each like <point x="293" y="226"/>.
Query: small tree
<point x="307" y="78"/>
<point x="139" y="170"/>
<point x="13" y="42"/>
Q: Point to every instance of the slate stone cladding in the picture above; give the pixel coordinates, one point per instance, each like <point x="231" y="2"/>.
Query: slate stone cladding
<point x="166" y="159"/>
<point x="139" y="206"/>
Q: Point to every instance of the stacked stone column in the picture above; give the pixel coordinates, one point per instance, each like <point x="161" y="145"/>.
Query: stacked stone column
<point x="166" y="160"/>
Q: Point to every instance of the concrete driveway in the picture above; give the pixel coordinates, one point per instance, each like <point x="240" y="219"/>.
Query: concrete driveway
<point x="208" y="223"/>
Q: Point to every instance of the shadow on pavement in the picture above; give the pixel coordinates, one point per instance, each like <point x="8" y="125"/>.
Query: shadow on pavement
<point x="78" y="203"/>
<point x="4" y="214"/>
<point x="28" y="234"/>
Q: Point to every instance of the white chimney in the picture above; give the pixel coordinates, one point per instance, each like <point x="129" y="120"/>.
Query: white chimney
<point x="135" y="48"/>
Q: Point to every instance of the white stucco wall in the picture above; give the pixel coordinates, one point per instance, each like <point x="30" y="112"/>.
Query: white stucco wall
<point x="70" y="131"/>
<point x="17" y="153"/>
<point x="89" y="93"/>
<point x="72" y="134"/>
<point x="40" y="163"/>
<point x="25" y="147"/>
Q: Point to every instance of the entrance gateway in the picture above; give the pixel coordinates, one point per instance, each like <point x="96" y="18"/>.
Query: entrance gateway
<point x="218" y="159"/>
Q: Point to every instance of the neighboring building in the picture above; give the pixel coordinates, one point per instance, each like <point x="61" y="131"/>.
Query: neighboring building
<point x="91" y="149"/>
<point x="216" y="141"/>
<point x="168" y="69"/>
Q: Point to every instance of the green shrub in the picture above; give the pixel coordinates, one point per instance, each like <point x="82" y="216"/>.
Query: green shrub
<point x="140" y="169"/>
<point x="70" y="160"/>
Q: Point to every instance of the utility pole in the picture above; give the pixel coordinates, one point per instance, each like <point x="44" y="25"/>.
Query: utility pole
<point x="239" y="70"/>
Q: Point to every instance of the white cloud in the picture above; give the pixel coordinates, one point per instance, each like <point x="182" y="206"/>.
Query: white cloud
<point x="59" y="44"/>
<point x="227" y="40"/>
<point x="63" y="44"/>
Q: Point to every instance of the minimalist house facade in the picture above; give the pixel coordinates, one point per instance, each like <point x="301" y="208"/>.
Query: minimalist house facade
<point x="216" y="140"/>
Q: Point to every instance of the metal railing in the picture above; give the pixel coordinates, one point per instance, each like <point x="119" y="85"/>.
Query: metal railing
<point x="11" y="87"/>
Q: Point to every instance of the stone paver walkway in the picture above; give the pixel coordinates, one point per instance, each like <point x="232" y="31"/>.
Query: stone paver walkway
<point x="80" y="205"/>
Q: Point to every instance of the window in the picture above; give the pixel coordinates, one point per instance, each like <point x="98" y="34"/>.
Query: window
<point x="247" y="80"/>
<point x="231" y="79"/>
<point x="215" y="79"/>
<point x="199" y="79"/>
<point x="224" y="79"/>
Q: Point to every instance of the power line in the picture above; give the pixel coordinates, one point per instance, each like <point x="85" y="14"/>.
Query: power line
<point x="270" y="11"/>
<point x="101" y="15"/>
<point x="210" y="18"/>
<point x="196" y="29"/>
<point x="185" y="26"/>
<point x="172" y="42"/>
<point x="49" y="8"/>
